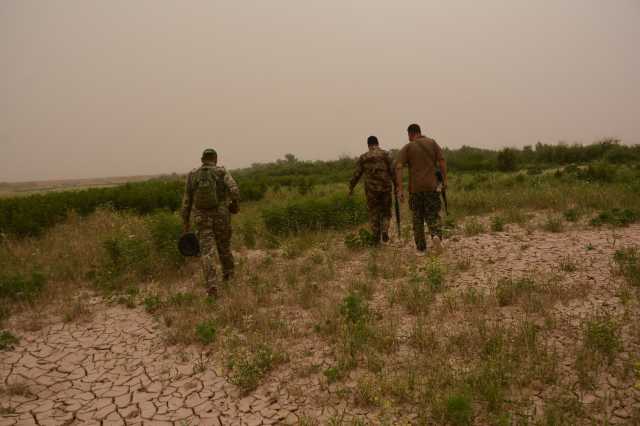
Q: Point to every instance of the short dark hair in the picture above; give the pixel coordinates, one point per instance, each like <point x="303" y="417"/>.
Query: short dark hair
<point x="414" y="129"/>
<point x="372" y="140"/>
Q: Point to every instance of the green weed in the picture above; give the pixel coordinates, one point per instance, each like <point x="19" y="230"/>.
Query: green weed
<point x="206" y="332"/>
<point x="497" y="224"/>
<point x="248" y="368"/>
<point x="7" y="340"/>
<point x="628" y="264"/>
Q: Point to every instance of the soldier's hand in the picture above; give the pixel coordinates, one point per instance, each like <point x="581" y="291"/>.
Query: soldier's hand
<point x="186" y="228"/>
<point x="351" y="193"/>
<point x="234" y="208"/>
<point x="401" y="196"/>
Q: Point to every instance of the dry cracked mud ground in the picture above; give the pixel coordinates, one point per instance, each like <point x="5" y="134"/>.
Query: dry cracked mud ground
<point x="117" y="369"/>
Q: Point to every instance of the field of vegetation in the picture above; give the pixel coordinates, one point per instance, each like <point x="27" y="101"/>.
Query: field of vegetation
<point x="529" y="315"/>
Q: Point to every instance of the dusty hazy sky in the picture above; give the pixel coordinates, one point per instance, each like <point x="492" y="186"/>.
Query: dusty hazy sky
<point x="125" y="87"/>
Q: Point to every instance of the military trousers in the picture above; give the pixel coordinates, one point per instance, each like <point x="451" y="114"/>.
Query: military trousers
<point x="379" y="207"/>
<point x="425" y="207"/>
<point x="213" y="228"/>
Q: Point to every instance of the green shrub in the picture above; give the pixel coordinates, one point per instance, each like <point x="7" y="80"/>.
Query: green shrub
<point x="165" y="229"/>
<point x="354" y="308"/>
<point x="248" y="368"/>
<point x="598" y="172"/>
<point x="152" y="303"/>
<point x="458" y="410"/>
<point x="616" y="217"/>
<point x="206" y="332"/>
<point x="124" y="255"/>
<point x="31" y="215"/>
<point x="497" y="224"/>
<point x="7" y="340"/>
<point x="305" y="214"/>
<point x="602" y="335"/>
<point x="18" y="287"/>
<point x="364" y="238"/>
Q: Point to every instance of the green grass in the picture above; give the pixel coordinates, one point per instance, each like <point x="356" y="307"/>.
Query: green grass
<point x="628" y="262"/>
<point x="602" y="335"/>
<point x="248" y="368"/>
<point x="19" y="287"/>
<point x="206" y="332"/>
<point x="7" y="340"/>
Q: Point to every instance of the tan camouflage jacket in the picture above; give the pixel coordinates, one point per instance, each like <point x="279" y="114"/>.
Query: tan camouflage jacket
<point x="228" y="191"/>
<point x="378" y="171"/>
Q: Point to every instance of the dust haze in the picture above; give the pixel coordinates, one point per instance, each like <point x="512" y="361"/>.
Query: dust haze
<point x="90" y="89"/>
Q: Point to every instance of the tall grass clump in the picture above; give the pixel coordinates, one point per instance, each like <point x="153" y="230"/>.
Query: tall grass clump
<point x="310" y="213"/>
<point x="628" y="264"/>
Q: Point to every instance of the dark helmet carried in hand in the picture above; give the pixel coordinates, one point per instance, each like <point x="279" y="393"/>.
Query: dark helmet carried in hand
<point x="189" y="245"/>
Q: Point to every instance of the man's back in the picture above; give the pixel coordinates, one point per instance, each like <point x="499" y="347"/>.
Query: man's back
<point x="421" y="156"/>
<point x="376" y="166"/>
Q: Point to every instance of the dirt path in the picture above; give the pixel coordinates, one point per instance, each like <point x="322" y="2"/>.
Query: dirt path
<point x="117" y="369"/>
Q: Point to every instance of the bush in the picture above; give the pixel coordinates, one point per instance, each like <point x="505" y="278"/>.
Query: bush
<point x="601" y="335"/>
<point x="33" y="214"/>
<point x="497" y="224"/>
<point x="206" y="332"/>
<point x="124" y="254"/>
<point x="152" y="303"/>
<point x="364" y="238"/>
<point x="18" y="287"/>
<point x="506" y="160"/>
<point x="248" y="368"/>
<point x="165" y="229"/>
<point x="616" y="217"/>
<point x="305" y="214"/>
<point x="7" y="340"/>
<point x="458" y="410"/>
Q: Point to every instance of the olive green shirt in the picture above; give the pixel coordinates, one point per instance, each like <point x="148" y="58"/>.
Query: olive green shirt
<point x="422" y="156"/>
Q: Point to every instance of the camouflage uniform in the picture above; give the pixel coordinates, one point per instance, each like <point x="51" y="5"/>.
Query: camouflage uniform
<point x="378" y="171"/>
<point x="213" y="226"/>
<point x="425" y="206"/>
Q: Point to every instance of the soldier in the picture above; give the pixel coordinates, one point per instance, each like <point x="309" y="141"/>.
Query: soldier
<point x="423" y="156"/>
<point x="212" y="195"/>
<point x="378" y="173"/>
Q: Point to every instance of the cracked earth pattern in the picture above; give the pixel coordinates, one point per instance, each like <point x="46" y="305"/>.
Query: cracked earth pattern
<point x="117" y="369"/>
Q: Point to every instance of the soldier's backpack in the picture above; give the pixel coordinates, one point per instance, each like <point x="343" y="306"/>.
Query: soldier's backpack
<point x="205" y="195"/>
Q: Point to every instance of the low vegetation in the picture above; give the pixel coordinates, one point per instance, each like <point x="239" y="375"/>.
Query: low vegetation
<point x="443" y="337"/>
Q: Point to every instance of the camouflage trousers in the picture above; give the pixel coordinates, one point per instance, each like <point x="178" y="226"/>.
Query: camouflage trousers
<point x="379" y="207"/>
<point x="213" y="229"/>
<point x="425" y="207"/>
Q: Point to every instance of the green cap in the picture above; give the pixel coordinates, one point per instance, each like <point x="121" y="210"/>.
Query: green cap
<point x="209" y="152"/>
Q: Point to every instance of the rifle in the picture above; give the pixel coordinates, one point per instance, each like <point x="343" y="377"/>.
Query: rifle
<point x="442" y="191"/>
<point x="397" y="208"/>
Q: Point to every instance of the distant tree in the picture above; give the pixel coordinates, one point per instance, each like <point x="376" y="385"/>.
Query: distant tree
<point x="507" y="161"/>
<point x="290" y="158"/>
